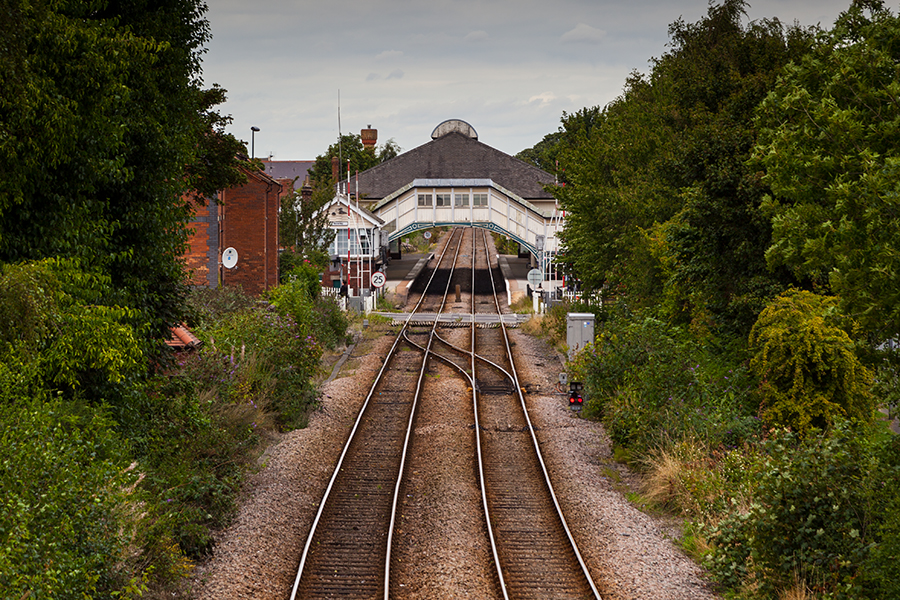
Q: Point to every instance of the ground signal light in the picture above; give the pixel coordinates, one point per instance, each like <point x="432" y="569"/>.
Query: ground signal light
<point x="576" y="401"/>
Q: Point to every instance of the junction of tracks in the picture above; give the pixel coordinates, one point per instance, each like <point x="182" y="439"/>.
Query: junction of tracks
<point x="362" y="542"/>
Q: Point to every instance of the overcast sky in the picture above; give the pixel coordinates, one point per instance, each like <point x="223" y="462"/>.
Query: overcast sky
<point x="509" y="68"/>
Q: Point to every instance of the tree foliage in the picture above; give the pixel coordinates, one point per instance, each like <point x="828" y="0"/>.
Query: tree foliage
<point x="807" y="364"/>
<point x="349" y="147"/>
<point x="103" y="127"/>
<point x="660" y="204"/>
<point x="303" y="225"/>
<point x="829" y="148"/>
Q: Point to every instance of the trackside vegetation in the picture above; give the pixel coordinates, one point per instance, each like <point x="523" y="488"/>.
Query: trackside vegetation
<point x="118" y="458"/>
<point x="737" y="209"/>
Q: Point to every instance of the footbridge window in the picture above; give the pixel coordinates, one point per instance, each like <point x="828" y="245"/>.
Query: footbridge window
<point x="424" y="199"/>
<point x="479" y="199"/>
<point x="442" y="200"/>
<point x="462" y="199"/>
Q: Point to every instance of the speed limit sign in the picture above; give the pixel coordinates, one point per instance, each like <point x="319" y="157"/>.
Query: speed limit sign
<point x="378" y="279"/>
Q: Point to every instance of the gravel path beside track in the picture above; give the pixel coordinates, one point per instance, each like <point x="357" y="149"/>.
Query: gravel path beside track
<point x="630" y="554"/>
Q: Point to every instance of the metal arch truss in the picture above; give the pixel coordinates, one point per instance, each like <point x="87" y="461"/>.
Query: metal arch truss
<point x="489" y="225"/>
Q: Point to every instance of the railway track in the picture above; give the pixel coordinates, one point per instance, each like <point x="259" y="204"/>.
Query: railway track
<point x="346" y="554"/>
<point x="362" y="533"/>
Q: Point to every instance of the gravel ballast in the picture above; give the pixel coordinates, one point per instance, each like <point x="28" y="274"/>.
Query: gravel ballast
<point x="630" y="553"/>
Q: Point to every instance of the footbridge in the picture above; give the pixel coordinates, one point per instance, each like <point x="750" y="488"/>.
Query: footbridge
<point x="483" y="203"/>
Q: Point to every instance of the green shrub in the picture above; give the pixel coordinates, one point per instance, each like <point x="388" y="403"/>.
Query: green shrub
<point x="651" y="387"/>
<point x="285" y="358"/>
<point x="810" y="374"/>
<point x="881" y="570"/>
<point x="207" y="306"/>
<point x="315" y="315"/>
<point x="68" y="510"/>
<point x="294" y="267"/>
<point x="812" y="515"/>
<point x="194" y="447"/>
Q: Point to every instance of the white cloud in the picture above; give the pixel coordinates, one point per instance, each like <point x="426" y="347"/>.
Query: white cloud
<point x="543" y="98"/>
<point x="583" y="34"/>
<point x="389" y="55"/>
<point x="477" y="36"/>
<point x="396" y="74"/>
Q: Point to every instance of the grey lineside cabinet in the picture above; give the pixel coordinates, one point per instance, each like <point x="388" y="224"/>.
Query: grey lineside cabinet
<point x="579" y="331"/>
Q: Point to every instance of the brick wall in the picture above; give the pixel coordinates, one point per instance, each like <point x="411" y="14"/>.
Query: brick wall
<point x="249" y="224"/>
<point x="201" y="259"/>
<point x="245" y="219"/>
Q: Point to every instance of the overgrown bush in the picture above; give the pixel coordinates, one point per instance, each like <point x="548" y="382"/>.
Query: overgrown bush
<point x="259" y="353"/>
<point x="651" y="386"/>
<point x="317" y="315"/>
<point x="822" y="505"/>
<point x="806" y="362"/>
<point x="69" y="512"/>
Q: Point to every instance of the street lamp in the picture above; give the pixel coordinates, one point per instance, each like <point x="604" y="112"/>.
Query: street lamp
<point x="253" y="131"/>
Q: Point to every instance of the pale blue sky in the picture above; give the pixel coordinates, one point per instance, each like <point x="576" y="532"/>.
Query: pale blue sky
<point x="510" y="68"/>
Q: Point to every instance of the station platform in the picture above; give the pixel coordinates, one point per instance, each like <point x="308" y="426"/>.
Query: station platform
<point x="515" y="272"/>
<point x="400" y="273"/>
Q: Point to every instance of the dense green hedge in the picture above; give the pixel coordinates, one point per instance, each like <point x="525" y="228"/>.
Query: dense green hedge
<point x="113" y="477"/>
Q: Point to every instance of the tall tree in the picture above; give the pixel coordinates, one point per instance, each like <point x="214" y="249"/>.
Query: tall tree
<point x="104" y="125"/>
<point x="303" y="226"/>
<point x="660" y="204"/>
<point x="829" y="146"/>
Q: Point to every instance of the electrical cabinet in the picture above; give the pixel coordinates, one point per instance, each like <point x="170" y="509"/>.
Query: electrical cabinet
<point x="579" y="331"/>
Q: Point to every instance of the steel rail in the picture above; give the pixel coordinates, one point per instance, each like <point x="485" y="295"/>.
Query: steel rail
<point x="412" y="415"/>
<point x="537" y="451"/>
<point x="391" y="353"/>
<point x="481" y="478"/>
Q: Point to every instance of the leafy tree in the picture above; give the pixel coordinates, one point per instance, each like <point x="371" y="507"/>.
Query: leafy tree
<point x="349" y="147"/>
<point x="660" y="204"/>
<point x="303" y="226"/>
<point x="806" y="362"/>
<point x="103" y="128"/>
<point x="829" y="147"/>
<point x="543" y="154"/>
<point x="717" y="276"/>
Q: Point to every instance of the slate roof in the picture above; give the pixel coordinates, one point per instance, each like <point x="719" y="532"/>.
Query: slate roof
<point x="289" y="169"/>
<point x="454" y="156"/>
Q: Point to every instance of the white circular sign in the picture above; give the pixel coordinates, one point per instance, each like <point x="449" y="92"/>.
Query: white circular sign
<point x="427" y="235"/>
<point x="535" y="277"/>
<point x="229" y="258"/>
<point x="378" y="279"/>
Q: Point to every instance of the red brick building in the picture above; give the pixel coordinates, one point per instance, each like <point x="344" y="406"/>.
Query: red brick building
<point x="246" y="219"/>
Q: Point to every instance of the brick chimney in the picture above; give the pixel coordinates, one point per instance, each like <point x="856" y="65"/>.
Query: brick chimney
<point x="369" y="137"/>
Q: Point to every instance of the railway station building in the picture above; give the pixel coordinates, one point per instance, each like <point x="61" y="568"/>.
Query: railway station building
<point x="456" y="180"/>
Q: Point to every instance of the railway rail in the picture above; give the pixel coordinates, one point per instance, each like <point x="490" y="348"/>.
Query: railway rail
<point x="350" y="551"/>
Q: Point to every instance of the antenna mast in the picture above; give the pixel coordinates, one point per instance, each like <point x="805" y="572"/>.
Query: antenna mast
<point x="340" y="143"/>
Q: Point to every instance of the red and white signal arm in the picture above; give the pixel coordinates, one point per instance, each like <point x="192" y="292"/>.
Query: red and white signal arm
<point x="378" y="279"/>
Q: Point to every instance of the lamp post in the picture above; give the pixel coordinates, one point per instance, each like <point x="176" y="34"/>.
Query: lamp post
<point x="253" y="131"/>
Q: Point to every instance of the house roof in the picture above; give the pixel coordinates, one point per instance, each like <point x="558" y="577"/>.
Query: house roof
<point x="366" y="214"/>
<point x="295" y="170"/>
<point x="454" y="156"/>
